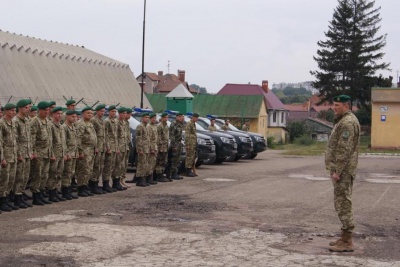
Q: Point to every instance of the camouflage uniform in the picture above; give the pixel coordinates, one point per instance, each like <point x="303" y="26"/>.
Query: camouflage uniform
<point x="225" y="127"/>
<point x="98" y="166"/>
<point x="142" y="146"/>
<point x="212" y="128"/>
<point x="41" y="145"/>
<point x="87" y="142"/>
<point x="162" y="142"/>
<point x="71" y="151"/>
<point x="111" y="144"/>
<point x="190" y="144"/>
<point x="119" y="169"/>
<point x="24" y="143"/>
<point x="9" y="153"/>
<point x="58" y="148"/>
<point x="153" y="141"/>
<point x="128" y="148"/>
<point x="245" y="128"/>
<point x="175" y="134"/>
<point x="341" y="157"/>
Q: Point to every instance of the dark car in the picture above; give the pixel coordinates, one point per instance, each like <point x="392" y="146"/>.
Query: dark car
<point x="259" y="144"/>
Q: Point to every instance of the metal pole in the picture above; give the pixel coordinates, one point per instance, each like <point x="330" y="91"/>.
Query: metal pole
<point x="142" y="84"/>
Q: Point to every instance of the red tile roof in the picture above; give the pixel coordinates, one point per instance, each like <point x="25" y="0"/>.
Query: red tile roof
<point x="169" y="82"/>
<point x="153" y="76"/>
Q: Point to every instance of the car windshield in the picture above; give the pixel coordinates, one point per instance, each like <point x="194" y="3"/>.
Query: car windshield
<point x="133" y="123"/>
<point x="208" y="122"/>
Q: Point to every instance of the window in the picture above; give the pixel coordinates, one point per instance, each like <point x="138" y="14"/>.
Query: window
<point x="274" y="117"/>
<point x="283" y="117"/>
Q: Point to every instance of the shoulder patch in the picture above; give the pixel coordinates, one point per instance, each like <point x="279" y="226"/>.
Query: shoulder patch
<point x="345" y="134"/>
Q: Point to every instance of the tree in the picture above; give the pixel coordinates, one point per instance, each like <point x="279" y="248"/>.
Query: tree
<point x="296" y="129"/>
<point x="200" y="90"/>
<point x="349" y="58"/>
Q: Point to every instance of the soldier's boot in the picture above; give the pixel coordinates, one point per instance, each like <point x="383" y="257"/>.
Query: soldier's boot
<point x="345" y="245"/>
<point x="334" y="243"/>
<point x="11" y="196"/>
<point x="94" y="188"/>
<point x="155" y="177"/>
<point x="140" y="182"/>
<point x="70" y="193"/>
<point x="18" y="201"/>
<point x="149" y="180"/>
<point x="36" y="199"/>
<point x="52" y="196"/>
<point x="42" y="198"/>
<point x="25" y="202"/>
<point x="74" y="184"/>
<point x="175" y="176"/>
<point x="116" y="185"/>
<point x="65" y="193"/>
<point x="82" y="192"/>
<point x="87" y="190"/>
<point x="3" y="205"/>
<point x="11" y="204"/>
<point x="58" y="196"/>
<point x="106" y="187"/>
<point x="161" y="178"/>
<point x="44" y="193"/>
<point x="189" y="172"/>
<point x="26" y="196"/>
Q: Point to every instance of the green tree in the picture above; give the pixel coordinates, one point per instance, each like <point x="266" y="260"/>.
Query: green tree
<point x="201" y="90"/>
<point x="350" y="56"/>
<point x="297" y="129"/>
<point x="364" y="115"/>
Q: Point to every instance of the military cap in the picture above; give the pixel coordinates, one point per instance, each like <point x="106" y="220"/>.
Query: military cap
<point x="121" y="110"/>
<point x="55" y="109"/>
<point x="52" y="103"/>
<point x="70" y="102"/>
<point x="9" y="106"/>
<point x="112" y="107"/>
<point x="100" y="106"/>
<point x="86" y="109"/>
<point x="129" y="110"/>
<point x="152" y="115"/>
<point x="43" y="105"/>
<point x="23" y="102"/>
<point x="34" y="108"/>
<point x="341" y="98"/>
<point x="196" y="115"/>
<point x="71" y="112"/>
<point x="145" y="114"/>
<point x="165" y="114"/>
<point x="179" y="114"/>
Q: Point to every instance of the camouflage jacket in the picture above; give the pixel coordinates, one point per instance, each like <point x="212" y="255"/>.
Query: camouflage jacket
<point x="41" y="137"/>
<point x="245" y="128"/>
<point x="163" y="137"/>
<point x="128" y="135"/>
<point x="111" y="138"/>
<point x="142" y="139"/>
<point x="8" y="134"/>
<point x="59" y="146"/>
<point x="175" y="134"/>
<point x="24" y="138"/>
<point x="225" y="127"/>
<point x="190" y="136"/>
<point x="70" y="140"/>
<point x="153" y="137"/>
<point x="99" y="126"/>
<point x="212" y="128"/>
<point x="341" y="154"/>
<point x="86" y="136"/>
<point x="121" y="135"/>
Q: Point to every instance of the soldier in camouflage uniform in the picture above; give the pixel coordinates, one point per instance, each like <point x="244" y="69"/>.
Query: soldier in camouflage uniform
<point x="33" y="112"/>
<point x="190" y="144"/>
<point x="142" y="149"/>
<point x="111" y="145"/>
<point x="58" y="157"/>
<point x="42" y="152"/>
<point x="8" y="157"/>
<point x="24" y="151"/>
<point x="87" y="149"/>
<point x="341" y="158"/>
<point x="71" y="153"/>
<point x="153" y="140"/>
<point x="128" y="146"/>
<point x="212" y="126"/>
<point x="246" y="126"/>
<point x="175" y="135"/>
<point x="70" y="104"/>
<point x="52" y="104"/>
<point x="120" y="169"/>
<point x="225" y="127"/>
<point x="162" y="156"/>
<point x="99" y="126"/>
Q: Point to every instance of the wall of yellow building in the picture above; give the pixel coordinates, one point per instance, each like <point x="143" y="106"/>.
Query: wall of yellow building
<point x="260" y="124"/>
<point x="385" y="134"/>
<point x="279" y="133"/>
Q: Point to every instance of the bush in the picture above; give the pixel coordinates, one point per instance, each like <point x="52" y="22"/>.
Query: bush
<point x="304" y="140"/>
<point x="296" y="129"/>
<point x="271" y="142"/>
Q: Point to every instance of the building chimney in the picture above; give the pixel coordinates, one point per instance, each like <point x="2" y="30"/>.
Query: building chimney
<point x="181" y="75"/>
<point x="265" y="86"/>
<point x="160" y="73"/>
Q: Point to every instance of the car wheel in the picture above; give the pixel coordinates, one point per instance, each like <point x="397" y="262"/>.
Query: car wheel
<point x="253" y="156"/>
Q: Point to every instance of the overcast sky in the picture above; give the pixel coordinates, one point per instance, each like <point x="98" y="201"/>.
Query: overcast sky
<point x="214" y="41"/>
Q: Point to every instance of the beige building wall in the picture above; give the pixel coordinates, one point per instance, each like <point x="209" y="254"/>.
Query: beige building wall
<point x="260" y="125"/>
<point x="280" y="134"/>
<point x="385" y="127"/>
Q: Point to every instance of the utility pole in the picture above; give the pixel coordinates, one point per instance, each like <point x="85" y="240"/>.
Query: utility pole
<point x="142" y="83"/>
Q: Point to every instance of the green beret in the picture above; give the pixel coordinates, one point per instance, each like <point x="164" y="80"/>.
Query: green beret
<point x="43" y="105"/>
<point x="342" y="98"/>
<point x="100" y="106"/>
<point x="23" y="102"/>
<point x="52" y="103"/>
<point x="121" y="110"/>
<point x="196" y="115"/>
<point x="129" y="110"/>
<point x="179" y="114"/>
<point x="164" y="115"/>
<point x="34" y="108"/>
<point x="145" y="114"/>
<point x="71" y="112"/>
<point x="55" y="109"/>
<point x="112" y="107"/>
<point x="70" y="102"/>
<point x="86" y="109"/>
<point x="9" y="106"/>
<point x="152" y="115"/>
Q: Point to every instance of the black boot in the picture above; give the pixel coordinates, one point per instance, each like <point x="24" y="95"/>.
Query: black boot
<point x="94" y="188"/>
<point x="189" y="172"/>
<point x="26" y="196"/>
<point x="11" y="204"/>
<point x="81" y="191"/>
<point x="149" y="180"/>
<point x="175" y="176"/>
<point x="106" y="187"/>
<point x="65" y="193"/>
<point x="161" y="178"/>
<point x="87" y="190"/>
<point x="70" y="193"/>
<point x="36" y="199"/>
<point x="25" y="202"/>
<point x="52" y="196"/>
<point x="42" y="198"/>
<point x="140" y="182"/>
<point x="116" y="185"/>
<point x="11" y="196"/>
<point x="155" y="177"/>
<point x="3" y="205"/>
<point x="58" y="196"/>
<point x="18" y="201"/>
<point x="44" y="193"/>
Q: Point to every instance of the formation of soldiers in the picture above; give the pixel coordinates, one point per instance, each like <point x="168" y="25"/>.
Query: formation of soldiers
<point x="48" y="150"/>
